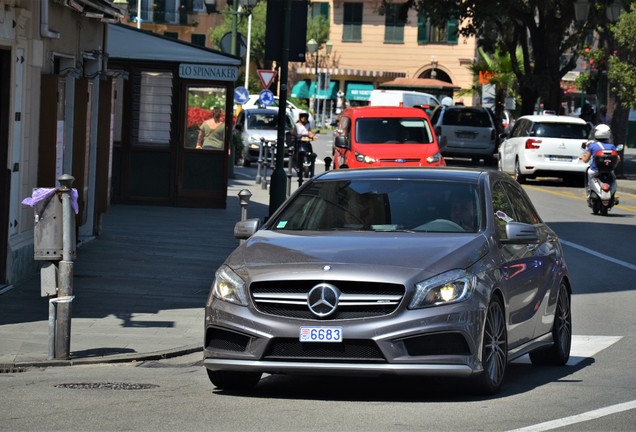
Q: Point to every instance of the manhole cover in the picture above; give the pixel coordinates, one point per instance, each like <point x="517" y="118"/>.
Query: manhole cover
<point x="106" y="386"/>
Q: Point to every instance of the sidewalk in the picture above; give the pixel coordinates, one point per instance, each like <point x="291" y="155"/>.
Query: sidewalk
<point x="140" y="288"/>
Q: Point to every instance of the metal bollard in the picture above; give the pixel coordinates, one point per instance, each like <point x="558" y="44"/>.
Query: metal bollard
<point x="65" y="288"/>
<point x="259" y="162"/>
<point x="244" y="195"/>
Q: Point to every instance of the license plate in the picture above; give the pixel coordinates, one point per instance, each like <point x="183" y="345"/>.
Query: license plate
<point x="561" y="158"/>
<point x="320" y="334"/>
<point x="465" y="135"/>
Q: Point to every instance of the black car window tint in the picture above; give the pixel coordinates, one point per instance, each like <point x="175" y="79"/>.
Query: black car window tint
<point x="523" y="208"/>
<point x="502" y="209"/>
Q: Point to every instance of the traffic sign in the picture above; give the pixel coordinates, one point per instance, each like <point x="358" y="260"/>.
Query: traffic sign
<point x="266" y="97"/>
<point x="241" y="95"/>
<point x="267" y="77"/>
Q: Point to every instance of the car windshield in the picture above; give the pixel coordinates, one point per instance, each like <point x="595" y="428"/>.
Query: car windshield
<point x="560" y="130"/>
<point x="383" y="205"/>
<point x="393" y="131"/>
<point x="467" y="117"/>
<point x="266" y="121"/>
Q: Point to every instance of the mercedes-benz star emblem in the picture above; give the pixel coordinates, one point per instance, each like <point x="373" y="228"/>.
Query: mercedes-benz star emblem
<point x="323" y="299"/>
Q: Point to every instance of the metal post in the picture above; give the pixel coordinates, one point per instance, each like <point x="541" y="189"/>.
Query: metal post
<point x="279" y="178"/>
<point x="65" y="287"/>
<point x="244" y="195"/>
<point x="259" y="162"/>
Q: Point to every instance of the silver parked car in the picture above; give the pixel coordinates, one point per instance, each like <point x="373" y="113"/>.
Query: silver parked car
<point x="466" y="132"/>
<point x="410" y="271"/>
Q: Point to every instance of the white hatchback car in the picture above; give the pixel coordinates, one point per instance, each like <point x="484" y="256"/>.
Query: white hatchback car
<point x="254" y="102"/>
<point x="545" y="146"/>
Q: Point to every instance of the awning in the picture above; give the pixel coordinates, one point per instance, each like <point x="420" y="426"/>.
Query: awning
<point x="300" y="90"/>
<point x="128" y="43"/>
<point x="418" y="83"/>
<point x="359" y="91"/>
<point x="331" y="93"/>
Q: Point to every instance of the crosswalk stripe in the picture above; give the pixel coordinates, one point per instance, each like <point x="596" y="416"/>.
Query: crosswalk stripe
<point x="583" y="347"/>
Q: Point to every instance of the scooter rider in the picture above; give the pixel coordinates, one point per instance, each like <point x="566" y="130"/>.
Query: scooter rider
<point x="302" y="127"/>
<point x="303" y="137"/>
<point x="600" y="140"/>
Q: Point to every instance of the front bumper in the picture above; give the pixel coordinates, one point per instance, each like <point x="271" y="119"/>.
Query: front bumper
<point x="442" y="341"/>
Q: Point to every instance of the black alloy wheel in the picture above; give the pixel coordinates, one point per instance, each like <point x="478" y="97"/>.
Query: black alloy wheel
<point x="518" y="176"/>
<point x="494" y="352"/>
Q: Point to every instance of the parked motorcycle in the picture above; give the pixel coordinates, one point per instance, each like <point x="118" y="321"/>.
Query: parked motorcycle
<point x="304" y="158"/>
<point x="601" y="189"/>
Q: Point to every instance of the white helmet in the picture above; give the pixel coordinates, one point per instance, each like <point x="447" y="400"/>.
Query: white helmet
<point x="602" y="132"/>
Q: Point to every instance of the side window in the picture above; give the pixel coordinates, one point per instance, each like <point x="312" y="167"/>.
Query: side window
<point x="523" y="208"/>
<point x="504" y="212"/>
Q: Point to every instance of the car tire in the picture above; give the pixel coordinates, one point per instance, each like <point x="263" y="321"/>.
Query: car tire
<point x="494" y="349"/>
<point x="231" y="380"/>
<point x="559" y="353"/>
<point x="518" y="176"/>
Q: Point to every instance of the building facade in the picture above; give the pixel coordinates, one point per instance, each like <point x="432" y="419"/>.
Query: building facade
<point x="55" y="112"/>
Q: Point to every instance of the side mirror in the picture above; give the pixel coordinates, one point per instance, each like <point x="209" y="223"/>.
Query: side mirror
<point x="341" y="142"/>
<point x="521" y="233"/>
<point x="620" y="148"/>
<point x="244" y="229"/>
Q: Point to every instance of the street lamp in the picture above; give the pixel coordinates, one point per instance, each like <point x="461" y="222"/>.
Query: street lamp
<point x="312" y="47"/>
<point x="434" y="64"/>
<point x="327" y="83"/>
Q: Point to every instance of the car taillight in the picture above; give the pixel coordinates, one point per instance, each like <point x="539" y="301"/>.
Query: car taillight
<point x="492" y="134"/>
<point x="438" y="131"/>
<point x="532" y="144"/>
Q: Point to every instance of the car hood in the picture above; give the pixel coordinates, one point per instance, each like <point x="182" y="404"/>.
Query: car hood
<point x="385" y="256"/>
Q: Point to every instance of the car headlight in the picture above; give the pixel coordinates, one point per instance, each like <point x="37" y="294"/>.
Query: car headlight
<point x="434" y="158"/>
<point x="450" y="287"/>
<point x="364" y="158"/>
<point x="229" y="287"/>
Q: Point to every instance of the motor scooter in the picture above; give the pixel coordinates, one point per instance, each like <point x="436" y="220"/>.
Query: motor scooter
<point x="304" y="158"/>
<point x="601" y="188"/>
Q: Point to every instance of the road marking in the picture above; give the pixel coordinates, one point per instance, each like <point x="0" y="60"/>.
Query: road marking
<point x="579" y="418"/>
<point x="583" y="347"/>
<point x="599" y="255"/>
<point x="580" y="196"/>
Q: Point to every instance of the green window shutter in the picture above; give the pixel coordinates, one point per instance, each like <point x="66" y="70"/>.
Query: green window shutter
<point x="452" y="31"/>
<point x="324" y="9"/>
<point x="422" y="29"/>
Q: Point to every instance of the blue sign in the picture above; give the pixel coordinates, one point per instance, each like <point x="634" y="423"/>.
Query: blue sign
<point x="266" y="97"/>
<point x="241" y="95"/>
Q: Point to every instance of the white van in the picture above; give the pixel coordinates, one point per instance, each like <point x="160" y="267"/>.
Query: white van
<point x="405" y="98"/>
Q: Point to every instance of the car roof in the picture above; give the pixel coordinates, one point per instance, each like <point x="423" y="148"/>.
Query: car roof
<point x="384" y="111"/>
<point x="468" y="175"/>
<point x="261" y="110"/>
<point x="551" y="118"/>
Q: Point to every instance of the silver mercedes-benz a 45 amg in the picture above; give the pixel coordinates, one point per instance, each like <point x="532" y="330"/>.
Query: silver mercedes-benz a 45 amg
<point x="423" y="271"/>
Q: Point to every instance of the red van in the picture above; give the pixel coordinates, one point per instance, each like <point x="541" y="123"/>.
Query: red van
<point x="380" y="136"/>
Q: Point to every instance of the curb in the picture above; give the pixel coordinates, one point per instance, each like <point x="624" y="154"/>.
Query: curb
<point x="121" y="358"/>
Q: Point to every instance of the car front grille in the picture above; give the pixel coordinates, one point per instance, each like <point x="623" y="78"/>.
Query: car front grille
<point x="283" y="349"/>
<point x="357" y="299"/>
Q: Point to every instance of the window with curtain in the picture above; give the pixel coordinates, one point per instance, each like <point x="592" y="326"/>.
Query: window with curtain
<point x="352" y="22"/>
<point x="429" y="33"/>
<point x="155" y="109"/>
<point x="393" y="24"/>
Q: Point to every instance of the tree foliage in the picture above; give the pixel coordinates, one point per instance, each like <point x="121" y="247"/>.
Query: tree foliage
<point x="622" y="70"/>
<point x="544" y="30"/>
